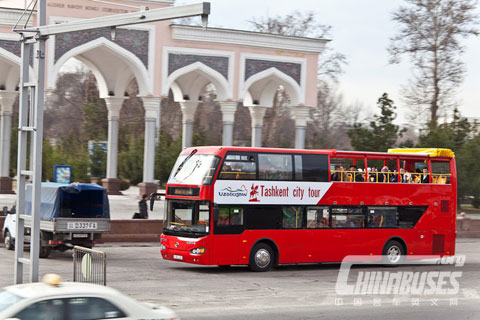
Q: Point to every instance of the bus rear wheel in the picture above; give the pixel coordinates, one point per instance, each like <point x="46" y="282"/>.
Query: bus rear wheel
<point x="261" y="258"/>
<point x="393" y="253"/>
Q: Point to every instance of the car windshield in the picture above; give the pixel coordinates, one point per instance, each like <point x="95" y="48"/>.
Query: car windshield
<point x="187" y="218"/>
<point x="8" y="299"/>
<point x="194" y="169"/>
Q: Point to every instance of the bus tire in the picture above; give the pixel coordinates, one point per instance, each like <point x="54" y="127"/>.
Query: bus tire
<point x="7" y="239"/>
<point x="393" y="253"/>
<point x="262" y="258"/>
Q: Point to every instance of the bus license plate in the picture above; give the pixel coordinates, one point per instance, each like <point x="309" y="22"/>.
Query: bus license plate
<point x="177" y="257"/>
<point x="81" y="225"/>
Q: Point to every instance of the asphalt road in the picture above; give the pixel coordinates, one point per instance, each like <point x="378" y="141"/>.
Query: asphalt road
<point x="288" y="292"/>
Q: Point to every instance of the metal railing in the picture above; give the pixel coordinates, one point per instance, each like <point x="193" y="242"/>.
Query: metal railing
<point x="89" y="266"/>
<point x="386" y="177"/>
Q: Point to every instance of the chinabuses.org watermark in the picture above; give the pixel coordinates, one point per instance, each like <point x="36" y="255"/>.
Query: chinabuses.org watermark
<point x="365" y="276"/>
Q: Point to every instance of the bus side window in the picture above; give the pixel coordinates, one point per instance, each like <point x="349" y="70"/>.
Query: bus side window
<point x="317" y="217"/>
<point x="348" y="217"/>
<point x="408" y="216"/>
<point x="229" y="216"/>
<point x="275" y="166"/>
<point x="311" y="167"/>
<point x="238" y="170"/>
<point x="292" y="217"/>
<point x="382" y="217"/>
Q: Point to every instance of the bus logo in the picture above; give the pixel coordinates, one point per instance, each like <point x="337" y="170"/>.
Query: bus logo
<point x="229" y="192"/>
<point x="254" y="193"/>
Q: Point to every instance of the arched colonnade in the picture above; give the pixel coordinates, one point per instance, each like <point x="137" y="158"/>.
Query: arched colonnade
<point x="243" y="66"/>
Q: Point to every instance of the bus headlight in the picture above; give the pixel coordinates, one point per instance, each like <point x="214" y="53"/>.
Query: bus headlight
<point x="162" y="247"/>
<point x="197" y="251"/>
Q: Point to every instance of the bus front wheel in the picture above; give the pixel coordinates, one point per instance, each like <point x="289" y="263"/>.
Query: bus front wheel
<point x="393" y="253"/>
<point x="261" y="258"/>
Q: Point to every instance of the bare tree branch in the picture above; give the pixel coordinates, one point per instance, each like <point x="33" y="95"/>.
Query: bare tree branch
<point x="430" y="34"/>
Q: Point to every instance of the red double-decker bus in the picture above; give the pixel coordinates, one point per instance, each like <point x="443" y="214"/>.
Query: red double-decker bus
<point x="262" y="207"/>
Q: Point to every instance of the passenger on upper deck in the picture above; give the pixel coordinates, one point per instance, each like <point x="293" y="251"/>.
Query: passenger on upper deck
<point x="336" y="176"/>
<point x="425" y="176"/>
<point x="384" y="176"/>
<point x="405" y="176"/>
<point x="394" y="176"/>
<point x="354" y="175"/>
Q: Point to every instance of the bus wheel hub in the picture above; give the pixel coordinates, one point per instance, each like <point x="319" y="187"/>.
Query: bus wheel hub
<point x="262" y="258"/>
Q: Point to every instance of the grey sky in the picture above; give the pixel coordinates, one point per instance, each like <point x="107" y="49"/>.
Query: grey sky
<point x="361" y="31"/>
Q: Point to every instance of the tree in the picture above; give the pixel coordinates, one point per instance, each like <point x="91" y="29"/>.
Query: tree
<point x="468" y="167"/>
<point x="451" y="135"/>
<point x="331" y="63"/>
<point x="130" y="160"/>
<point x="382" y="133"/>
<point x="304" y="24"/>
<point x="462" y="137"/>
<point x="430" y="33"/>
<point x="331" y="119"/>
<point x="166" y="154"/>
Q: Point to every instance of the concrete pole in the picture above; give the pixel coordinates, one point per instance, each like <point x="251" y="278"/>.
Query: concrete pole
<point x="7" y="99"/>
<point x="301" y="115"/>
<point x="188" y="113"/>
<point x="257" y="113"/>
<point x="228" y="117"/>
<point x="114" y="104"/>
<point x="152" y="111"/>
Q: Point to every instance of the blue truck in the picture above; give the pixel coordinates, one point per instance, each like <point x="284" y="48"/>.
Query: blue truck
<point x="70" y="214"/>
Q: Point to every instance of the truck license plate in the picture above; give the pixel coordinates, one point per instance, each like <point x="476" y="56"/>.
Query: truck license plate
<point x="81" y="225"/>
<point x="80" y="235"/>
<point x="177" y="257"/>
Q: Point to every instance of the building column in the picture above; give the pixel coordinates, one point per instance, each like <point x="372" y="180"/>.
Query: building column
<point x="188" y="112"/>
<point x="111" y="182"/>
<point x="301" y="115"/>
<point x="152" y="111"/>
<point x="228" y="117"/>
<point x="257" y="113"/>
<point x="7" y="99"/>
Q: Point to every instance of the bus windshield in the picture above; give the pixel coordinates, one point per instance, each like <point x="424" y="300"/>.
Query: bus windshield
<point x="194" y="169"/>
<point x="187" y="218"/>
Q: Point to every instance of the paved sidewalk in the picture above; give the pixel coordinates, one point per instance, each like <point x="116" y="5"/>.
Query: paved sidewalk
<point x="121" y="207"/>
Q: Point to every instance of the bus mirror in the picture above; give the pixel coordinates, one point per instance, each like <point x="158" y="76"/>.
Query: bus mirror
<point x="5" y="210"/>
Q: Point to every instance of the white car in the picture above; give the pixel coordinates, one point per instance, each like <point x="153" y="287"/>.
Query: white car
<point x="8" y="229"/>
<point x="56" y="300"/>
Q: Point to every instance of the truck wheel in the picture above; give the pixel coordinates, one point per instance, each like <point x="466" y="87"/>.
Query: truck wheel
<point x="44" y="251"/>
<point x="7" y="239"/>
<point x="261" y="258"/>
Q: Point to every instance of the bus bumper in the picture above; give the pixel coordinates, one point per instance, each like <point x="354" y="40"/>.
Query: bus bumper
<point x="184" y="256"/>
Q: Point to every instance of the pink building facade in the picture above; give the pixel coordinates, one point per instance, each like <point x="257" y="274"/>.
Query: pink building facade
<point x="243" y="66"/>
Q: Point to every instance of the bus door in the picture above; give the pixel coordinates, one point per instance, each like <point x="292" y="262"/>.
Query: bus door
<point x="228" y="226"/>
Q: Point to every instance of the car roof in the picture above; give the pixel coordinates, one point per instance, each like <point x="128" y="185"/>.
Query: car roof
<point x="40" y="289"/>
